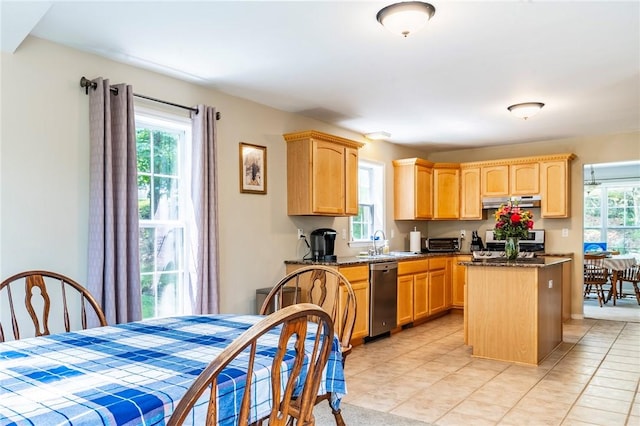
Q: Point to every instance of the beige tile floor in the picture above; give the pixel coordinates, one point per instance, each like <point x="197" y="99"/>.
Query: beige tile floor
<point x="427" y="373"/>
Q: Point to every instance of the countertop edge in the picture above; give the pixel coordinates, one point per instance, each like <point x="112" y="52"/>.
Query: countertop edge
<point x="550" y="261"/>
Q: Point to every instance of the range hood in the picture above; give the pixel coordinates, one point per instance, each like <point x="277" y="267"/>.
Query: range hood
<point x="523" y="201"/>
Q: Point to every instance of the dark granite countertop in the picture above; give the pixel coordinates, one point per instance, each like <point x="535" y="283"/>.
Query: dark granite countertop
<point x="365" y="260"/>
<point x="533" y="262"/>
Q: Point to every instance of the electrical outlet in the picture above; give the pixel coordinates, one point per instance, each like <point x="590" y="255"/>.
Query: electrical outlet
<point x="300" y="233"/>
<point x="463" y="234"/>
<point x="565" y="232"/>
<point x="550" y="283"/>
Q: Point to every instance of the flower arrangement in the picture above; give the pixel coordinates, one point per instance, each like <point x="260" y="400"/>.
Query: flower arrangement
<point x="512" y="221"/>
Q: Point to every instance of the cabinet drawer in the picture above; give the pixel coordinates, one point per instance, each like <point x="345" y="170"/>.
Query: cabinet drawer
<point x="355" y="273"/>
<point x="413" y="266"/>
<point x="437" y="263"/>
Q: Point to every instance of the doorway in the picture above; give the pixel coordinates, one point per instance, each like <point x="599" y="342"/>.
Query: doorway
<point x="611" y="224"/>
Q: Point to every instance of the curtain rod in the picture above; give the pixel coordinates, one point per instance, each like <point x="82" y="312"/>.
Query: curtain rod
<point x="86" y="83"/>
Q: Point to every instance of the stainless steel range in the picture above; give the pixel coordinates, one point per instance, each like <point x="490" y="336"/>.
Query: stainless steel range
<point x="528" y="247"/>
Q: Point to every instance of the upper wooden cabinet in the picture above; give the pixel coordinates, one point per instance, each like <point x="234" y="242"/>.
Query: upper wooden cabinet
<point x="446" y="191"/>
<point x="524" y="179"/>
<point x="495" y="180"/>
<point x="322" y="174"/>
<point x="412" y="189"/>
<point x="470" y="199"/>
<point x="555" y="186"/>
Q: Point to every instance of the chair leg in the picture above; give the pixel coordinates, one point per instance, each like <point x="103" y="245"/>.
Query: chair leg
<point x="337" y="414"/>
<point x="600" y="293"/>
<point x="635" y="287"/>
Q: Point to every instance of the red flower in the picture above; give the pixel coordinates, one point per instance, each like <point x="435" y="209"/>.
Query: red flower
<point x="515" y="218"/>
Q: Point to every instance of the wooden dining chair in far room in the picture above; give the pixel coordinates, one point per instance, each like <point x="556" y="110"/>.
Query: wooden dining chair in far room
<point x="596" y="276"/>
<point x="631" y="275"/>
<point x="327" y="288"/>
<point x="53" y="303"/>
<point x="286" y="406"/>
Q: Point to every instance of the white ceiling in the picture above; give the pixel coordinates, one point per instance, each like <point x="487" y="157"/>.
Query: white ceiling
<point x="446" y="87"/>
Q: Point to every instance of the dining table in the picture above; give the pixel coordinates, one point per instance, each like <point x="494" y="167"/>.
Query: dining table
<point x="616" y="264"/>
<point x="135" y="373"/>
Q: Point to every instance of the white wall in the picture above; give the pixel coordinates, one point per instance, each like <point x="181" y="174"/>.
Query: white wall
<point x="44" y="169"/>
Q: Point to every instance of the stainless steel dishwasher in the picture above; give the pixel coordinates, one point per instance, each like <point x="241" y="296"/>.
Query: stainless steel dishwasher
<point x="383" y="306"/>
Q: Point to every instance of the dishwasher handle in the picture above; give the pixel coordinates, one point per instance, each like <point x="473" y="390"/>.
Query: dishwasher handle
<point x="383" y="266"/>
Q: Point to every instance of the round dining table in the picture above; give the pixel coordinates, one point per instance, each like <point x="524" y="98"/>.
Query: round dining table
<point x="616" y="264"/>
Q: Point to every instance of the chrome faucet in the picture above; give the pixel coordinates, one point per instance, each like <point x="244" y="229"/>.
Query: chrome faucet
<point x="377" y="250"/>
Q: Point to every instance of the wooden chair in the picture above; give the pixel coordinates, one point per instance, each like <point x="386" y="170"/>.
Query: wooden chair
<point x="327" y="288"/>
<point x="595" y="276"/>
<point x="294" y="320"/>
<point x="46" y="293"/>
<point x="631" y="275"/>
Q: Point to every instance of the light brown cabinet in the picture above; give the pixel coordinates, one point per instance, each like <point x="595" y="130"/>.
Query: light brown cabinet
<point x="524" y="179"/>
<point x="322" y="174"/>
<point x="555" y="186"/>
<point x="470" y="199"/>
<point x="405" y="300"/>
<point x="459" y="280"/>
<point x="495" y="180"/>
<point x="437" y="285"/>
<point x="446" y="191"/>
<point x="358" y="276"/>
<point x="412" y="189"/>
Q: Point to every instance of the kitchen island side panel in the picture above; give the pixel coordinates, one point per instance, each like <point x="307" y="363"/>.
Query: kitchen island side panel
<point x="511" y="314"/>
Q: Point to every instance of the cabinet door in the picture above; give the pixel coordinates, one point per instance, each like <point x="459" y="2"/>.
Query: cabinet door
<point x="495" y="181"/>
<point x="405" y="299"/>
<point x="351" y="181"/>
<point x="424" y="192"/>
<point x="446" y="193"/>
<point x="437" y="284"/>
<point x="361" y="326"/>
<point x="328" y="187"/>
<point x="459" y="280"/>
<point x="358" y="277"/>
<point x="470" y="199"/>
<point x="420" y="295"/>
<point x="554" y="189"/>
<point x="525" y="179"/>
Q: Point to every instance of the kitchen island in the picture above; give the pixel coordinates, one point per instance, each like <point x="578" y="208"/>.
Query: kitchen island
<point x="513" y="309"/>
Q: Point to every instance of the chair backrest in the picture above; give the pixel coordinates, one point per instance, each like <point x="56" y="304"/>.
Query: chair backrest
<point x="594" y="270"/>
<point x="631" y="274"/>
<point x="293" y="338"/>
<point x="322" y="286"/>
<point x="52" y="303"/>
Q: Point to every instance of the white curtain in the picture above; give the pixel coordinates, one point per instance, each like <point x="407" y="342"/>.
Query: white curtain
<point x="113" y="258"/>
<point x="204" y="197"/>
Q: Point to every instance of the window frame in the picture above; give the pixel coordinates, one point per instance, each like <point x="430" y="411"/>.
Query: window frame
<point x="377" y="195"/>
<point x="166" y="122"/>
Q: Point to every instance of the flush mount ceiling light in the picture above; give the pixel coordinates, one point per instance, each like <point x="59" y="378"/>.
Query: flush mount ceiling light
<point x="378" y="136"/>
<point x="406" y="17"/>
<point x="525" y="110"/>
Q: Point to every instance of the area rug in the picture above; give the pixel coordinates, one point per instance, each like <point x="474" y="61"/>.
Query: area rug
<point x="358" y="416"/>
<point x="626" y="309"/>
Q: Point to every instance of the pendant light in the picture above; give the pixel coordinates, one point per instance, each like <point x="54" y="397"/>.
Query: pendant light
<point x="406" y="17"/>
<point x="591" y="185"/>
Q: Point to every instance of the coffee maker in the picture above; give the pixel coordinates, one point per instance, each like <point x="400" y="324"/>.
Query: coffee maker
<point x="322" y="243"/>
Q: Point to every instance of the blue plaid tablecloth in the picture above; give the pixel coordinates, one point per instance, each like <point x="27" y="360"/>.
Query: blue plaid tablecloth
<point x="135" y="373"/>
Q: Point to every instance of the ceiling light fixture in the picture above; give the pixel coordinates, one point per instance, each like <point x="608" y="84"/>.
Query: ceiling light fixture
<point x="406" y="17"/>
<point x="378" y="136"/>
<point x="525" y="110"/>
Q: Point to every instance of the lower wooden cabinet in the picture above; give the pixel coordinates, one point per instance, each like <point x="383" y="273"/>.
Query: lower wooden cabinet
<point x="437" y="285"/>
<point x="405" y="300"/>
<point x="358" y="276"/>
<point x="420" y="295"/>
<point x="459" y="276"/>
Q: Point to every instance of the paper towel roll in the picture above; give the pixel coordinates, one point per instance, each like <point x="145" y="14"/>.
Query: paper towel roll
<point x="414" y="241"/>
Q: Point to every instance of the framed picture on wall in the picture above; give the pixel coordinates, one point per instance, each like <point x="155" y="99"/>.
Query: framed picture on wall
<point x="253" y="168"/>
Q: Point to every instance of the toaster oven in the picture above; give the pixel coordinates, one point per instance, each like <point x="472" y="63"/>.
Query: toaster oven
<point x="440" y="245"/>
